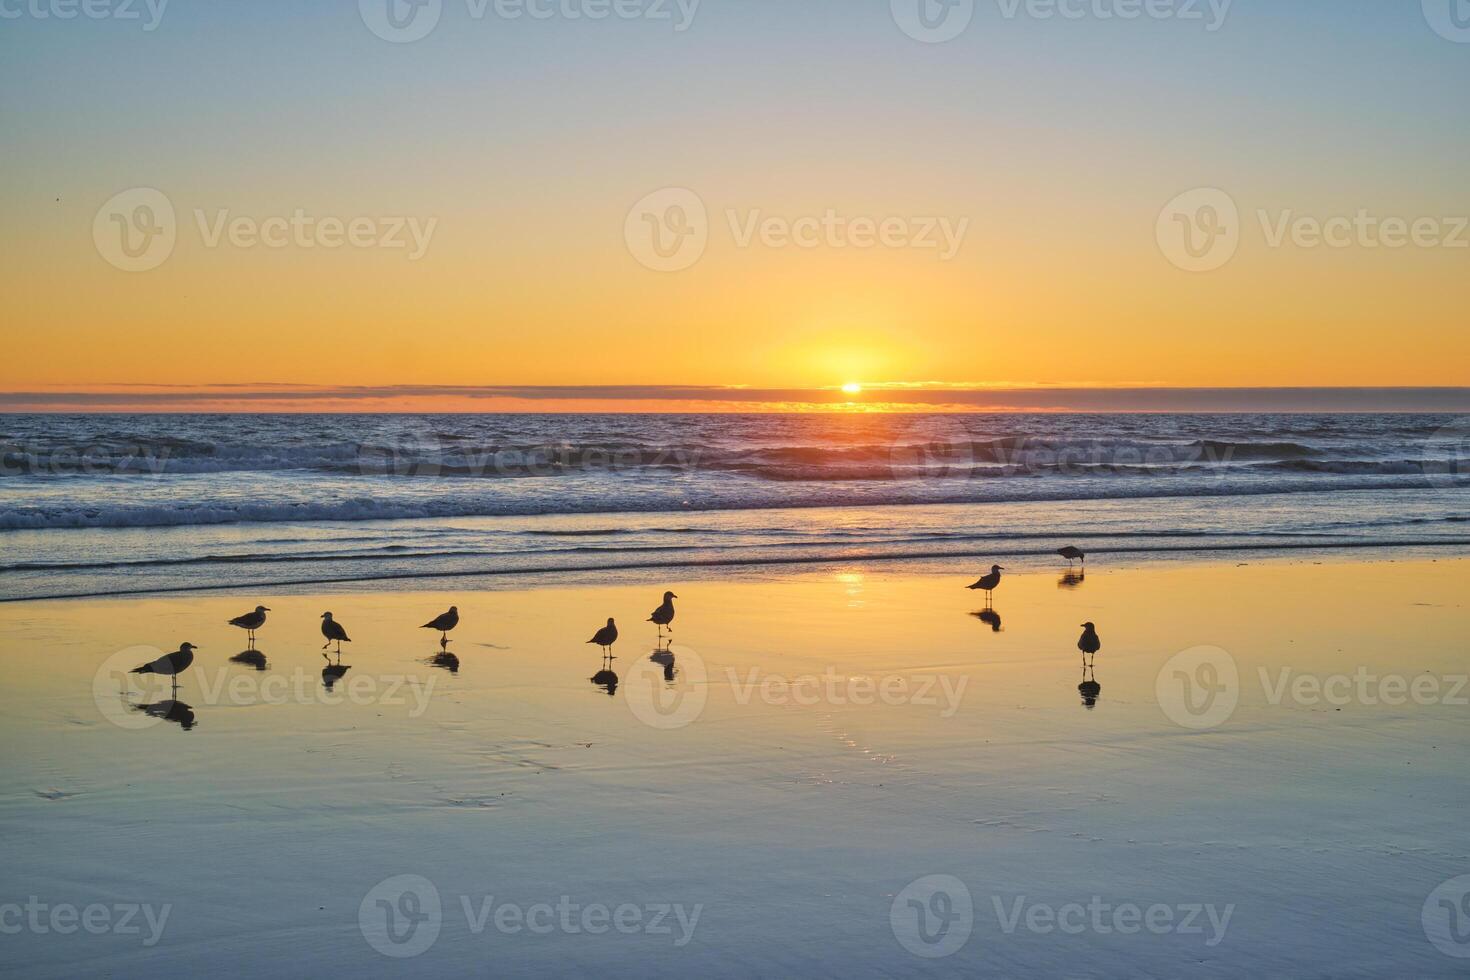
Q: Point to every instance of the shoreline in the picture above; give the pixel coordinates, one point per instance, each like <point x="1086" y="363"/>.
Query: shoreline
<point x="573" y="576"/>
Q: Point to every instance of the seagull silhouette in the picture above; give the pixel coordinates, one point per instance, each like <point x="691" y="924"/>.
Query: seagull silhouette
<point x="606" y="636"/>
<point x="989" y="582"/>
<point x="251" y="621"/>
<point x="1073" y="554"/>
<point x="664" y="614"/>
<point x="333" y="630"/>
<point x="1089" y="644"/>
<point x="170" y="664"/>
<point x="444" y="622"/>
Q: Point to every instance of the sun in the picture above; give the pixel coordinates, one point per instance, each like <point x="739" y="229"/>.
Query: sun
<point x="852" y="388"/>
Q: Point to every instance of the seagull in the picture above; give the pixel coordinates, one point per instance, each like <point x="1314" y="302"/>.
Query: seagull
<point x="333" y="630"/>
<point x="608" y="635"/>
<point x="1073" y="554"/>
<point x="170" y="664"/>
<point x="444" y="623"/>
<point x="664" y="615"/>
<point x="989" y="582"/>
<point x="251" y="621"/>
<point x="1089" y="644"/>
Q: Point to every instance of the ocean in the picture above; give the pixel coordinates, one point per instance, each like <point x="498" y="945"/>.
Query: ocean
<point x="119" y="504"/>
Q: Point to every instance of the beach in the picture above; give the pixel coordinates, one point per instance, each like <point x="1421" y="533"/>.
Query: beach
<point x="1268" y="779"/>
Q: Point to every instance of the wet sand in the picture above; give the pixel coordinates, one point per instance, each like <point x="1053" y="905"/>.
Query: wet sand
<point x="762" y="800"/>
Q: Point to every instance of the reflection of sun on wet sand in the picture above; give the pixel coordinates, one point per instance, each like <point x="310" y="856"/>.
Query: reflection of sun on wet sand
<point x="989" y="792"/>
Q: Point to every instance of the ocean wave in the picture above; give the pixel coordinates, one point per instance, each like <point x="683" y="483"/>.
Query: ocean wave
<point x="132" y="513"/>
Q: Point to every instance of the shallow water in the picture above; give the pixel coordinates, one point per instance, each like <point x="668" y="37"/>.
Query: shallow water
<point x="826" y="740"/>
<point x="106" y="505"/>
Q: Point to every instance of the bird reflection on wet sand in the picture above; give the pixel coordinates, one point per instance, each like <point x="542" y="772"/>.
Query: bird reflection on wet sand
<point x="175" y="711"/>
<point x="334" y="672"/>
<point x="664" y="657"/>
<point x="990" y="618"/>
<point x="445" y="661"/>
<point x="606" y="678"/>
<point x="1090" y="689"/>
<point x="1072" y="580"/>
<point x="250" y="658"/>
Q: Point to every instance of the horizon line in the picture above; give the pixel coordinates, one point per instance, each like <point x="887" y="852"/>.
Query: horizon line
<point x="287" y="398"/>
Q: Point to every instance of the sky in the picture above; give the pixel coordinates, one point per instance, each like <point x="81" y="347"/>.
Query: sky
<point x="731" y="194"/>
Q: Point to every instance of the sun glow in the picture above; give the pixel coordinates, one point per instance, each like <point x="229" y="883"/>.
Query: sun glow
<point x="852" y="388"/>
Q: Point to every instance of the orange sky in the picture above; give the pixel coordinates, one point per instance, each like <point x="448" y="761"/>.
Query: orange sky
<point x="1057" y="149"/>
